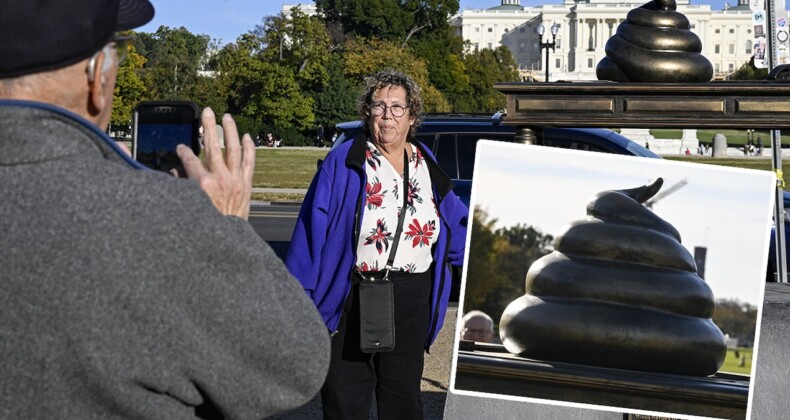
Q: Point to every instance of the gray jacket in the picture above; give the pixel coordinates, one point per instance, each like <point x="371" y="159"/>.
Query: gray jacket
<point x="125" y="294"/>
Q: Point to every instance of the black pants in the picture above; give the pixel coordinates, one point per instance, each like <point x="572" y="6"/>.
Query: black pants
<point x="394" y="376"/>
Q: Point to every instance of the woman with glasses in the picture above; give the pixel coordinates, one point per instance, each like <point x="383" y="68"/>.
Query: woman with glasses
<point x="379" y="212"/>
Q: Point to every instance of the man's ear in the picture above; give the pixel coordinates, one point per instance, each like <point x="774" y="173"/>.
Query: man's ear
<point x="97" y="99"/>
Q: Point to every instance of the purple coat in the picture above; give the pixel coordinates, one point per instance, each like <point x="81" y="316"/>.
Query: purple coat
<point x="323" y="247"/>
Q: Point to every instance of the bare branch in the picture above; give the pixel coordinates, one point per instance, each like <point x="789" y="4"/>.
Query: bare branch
<point x="411" y="32"/>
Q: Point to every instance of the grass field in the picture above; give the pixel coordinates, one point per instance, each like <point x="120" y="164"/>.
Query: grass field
<point x="285" y="168"/>
<point x="294" y="168"/>
<point x="732" y="363"/>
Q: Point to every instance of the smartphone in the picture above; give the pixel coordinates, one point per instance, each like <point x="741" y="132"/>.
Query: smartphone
<point x="159" y="127"/>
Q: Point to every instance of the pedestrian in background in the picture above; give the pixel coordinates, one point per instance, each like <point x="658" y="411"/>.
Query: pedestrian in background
<point x="478" y="326"/>
<point x="319" y="136"/>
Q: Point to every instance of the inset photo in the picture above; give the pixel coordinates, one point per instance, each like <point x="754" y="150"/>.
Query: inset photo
<point x="611" y="282"/>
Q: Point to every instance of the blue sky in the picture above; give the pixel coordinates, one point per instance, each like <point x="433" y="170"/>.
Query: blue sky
<point x="227" y="19"/>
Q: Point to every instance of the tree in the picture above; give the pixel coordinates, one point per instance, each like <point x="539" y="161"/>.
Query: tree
<point x="443" y="56"/>
<point x="482" y="275"/>
<point x="392" y="20"/>
<point x="129" y="90"/>
<point x="386" y="19"/>
<point x="498" y="263"/>
<point x="738" y="320"/>
<point x="263" y="91"/>
<point x="211" y="92"/>
<point x="363" y="58"/>
<point x="336" y="102"/>
<point x="299" y="42"/>
<point x="174" y="57"/>
<point x="484" y="68"/>
<point x="748" y="72"/>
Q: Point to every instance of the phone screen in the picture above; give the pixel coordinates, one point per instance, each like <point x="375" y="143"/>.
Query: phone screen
<point x="161" y="126"/>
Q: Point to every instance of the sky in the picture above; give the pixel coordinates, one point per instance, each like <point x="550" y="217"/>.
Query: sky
<point x="227" y="19"/>
<point x="726" y="210"/>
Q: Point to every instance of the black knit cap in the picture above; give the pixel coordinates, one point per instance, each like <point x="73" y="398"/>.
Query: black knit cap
<point x="40" y="35"/>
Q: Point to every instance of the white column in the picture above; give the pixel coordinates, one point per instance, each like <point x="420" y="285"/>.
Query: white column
<point x="599" y="34"/>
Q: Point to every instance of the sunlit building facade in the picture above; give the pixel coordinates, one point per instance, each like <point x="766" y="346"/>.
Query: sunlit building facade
<point x="584" y="28"/>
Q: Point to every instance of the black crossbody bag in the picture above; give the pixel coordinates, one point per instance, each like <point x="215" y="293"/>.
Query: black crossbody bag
<point x="376" y="294"/>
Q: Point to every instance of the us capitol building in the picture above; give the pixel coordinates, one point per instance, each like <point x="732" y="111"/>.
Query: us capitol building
<point x="586" y="25"/>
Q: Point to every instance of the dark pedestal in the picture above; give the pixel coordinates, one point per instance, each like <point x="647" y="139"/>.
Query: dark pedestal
<point x="491" y="369"/>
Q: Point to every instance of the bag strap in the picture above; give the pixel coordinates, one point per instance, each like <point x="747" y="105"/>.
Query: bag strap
<point x="402" y="215"/>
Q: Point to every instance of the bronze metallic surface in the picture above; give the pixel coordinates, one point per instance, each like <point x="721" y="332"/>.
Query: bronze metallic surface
<point x="660" y="39"/>
<point x="614" y="241"/>
<point x="762" y="106"/>
<point x="746" y="104"/>
<point x="659" y="14"/>
<point x="655" y="44"/>
<point x="656" y="106"/>
<point x="681" y="292"/>
<point x="525" y="135"/>
<point x="550" y="105"/>
<point x="612" y="335"/>
<point x="619" y="291"/>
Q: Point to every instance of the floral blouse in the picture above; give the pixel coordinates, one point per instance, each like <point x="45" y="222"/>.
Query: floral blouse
<point x="383" y="203"/>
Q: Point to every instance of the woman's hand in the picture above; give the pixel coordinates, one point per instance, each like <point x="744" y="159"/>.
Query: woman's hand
<point x="228" y="180"/>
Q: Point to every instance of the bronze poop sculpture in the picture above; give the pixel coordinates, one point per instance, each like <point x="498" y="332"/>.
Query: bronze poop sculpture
<point x="655" y="44"/>
<point x="619" y="291"/>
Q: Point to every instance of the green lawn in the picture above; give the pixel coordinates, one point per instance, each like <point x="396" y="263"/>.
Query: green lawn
<point x="285" y="168"/>
<point x="294" y="168"/>
<point x="732" y="364"/>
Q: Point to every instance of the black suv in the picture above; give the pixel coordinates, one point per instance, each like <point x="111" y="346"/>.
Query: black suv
<point x="453" y="140"/>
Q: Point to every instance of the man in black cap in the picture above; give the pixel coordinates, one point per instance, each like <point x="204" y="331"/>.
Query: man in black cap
<point x="125" y="292"/>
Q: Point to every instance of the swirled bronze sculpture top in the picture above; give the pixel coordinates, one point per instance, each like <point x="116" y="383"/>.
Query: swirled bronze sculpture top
<point x="618" y="291"/>
<point x="655" y="44"/>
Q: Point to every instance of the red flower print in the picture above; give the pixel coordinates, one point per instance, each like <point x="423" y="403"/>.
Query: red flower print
<point x="366" y="267"/>
<point x="414" y="195"/>
<point x="372" y="159"/>
<point x="375" y="197"/>
<point x="379" y="236"/>
<point x="420" y="234"/>
<point x="420" y="159"/>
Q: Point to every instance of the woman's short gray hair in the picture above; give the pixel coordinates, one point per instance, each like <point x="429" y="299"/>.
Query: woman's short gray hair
<point x="384" y="79"/>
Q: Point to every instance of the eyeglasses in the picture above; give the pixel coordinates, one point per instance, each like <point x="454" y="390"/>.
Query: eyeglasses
<point x="476" y="331"/>
<point x="379" y="109"/>
<point x="118" y="43"/>
<point x="121" y="44"/>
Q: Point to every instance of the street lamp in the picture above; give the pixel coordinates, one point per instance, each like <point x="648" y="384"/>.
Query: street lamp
<point x="541" y="30"/>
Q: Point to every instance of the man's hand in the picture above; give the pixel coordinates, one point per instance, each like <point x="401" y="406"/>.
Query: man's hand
<point x="227" y="181"/>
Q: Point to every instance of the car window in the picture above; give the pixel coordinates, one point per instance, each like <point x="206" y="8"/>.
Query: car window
<point x="446" y="153"/>
<point x="455" y="153"/>
<point x="638" y="150"/>
<point x="576" y="145"/>
<point x="428" y="141"/>
<point x="467" y="146"/>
